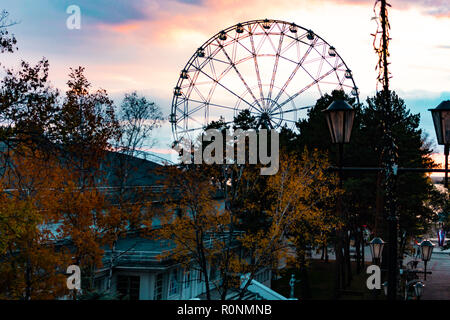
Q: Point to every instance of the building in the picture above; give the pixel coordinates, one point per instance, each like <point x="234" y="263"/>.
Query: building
<point x="139" y="273"/>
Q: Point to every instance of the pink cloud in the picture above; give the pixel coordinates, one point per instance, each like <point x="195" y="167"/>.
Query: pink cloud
<point x="437" y="8"/>
<point x="120" y="28"/>
<point x="171" y="18"/>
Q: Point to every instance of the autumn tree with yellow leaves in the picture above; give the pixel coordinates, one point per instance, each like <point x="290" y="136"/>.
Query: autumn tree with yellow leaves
<point x="31" y="264"/>
<point x="53" y="173"/>
<point x="204" y="231"/>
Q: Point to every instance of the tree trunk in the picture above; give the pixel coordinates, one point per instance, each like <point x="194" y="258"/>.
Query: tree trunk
<point x="322" y="256"/>
<point x="204" y="268"/>
<point x="339" y="275"/>
<point x="111" y="265"/>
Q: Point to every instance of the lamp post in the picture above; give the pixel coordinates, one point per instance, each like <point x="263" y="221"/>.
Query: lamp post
<point x="339" y="116"/>
<point x="376" y="249"/>
<point x="426" y="250"/>
<point x="441" y="120"/>
<point x="418" y="289"/>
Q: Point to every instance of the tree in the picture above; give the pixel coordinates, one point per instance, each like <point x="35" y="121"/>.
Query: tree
<point x="7" y="42"/>
<point x="192" y="220"/>
<point x="28" y="105"/>
<point x="204" y="233"/>
<point x="363" y="196"/>
<point x="31" y="264"/>
<point x="300" y="195"/>
<point x="137" y="117"/>
<point x="86" y="126"/>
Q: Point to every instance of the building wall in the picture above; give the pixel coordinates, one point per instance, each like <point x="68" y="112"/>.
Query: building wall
<point x="185" y="289"/>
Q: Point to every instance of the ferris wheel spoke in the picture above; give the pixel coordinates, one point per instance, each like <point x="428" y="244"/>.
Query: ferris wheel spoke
<point x="213" y="69"/>
<point x="189" y="130"/>
<point x="282" y="119"/>
<point x="258" y="75"/>
<point x="287" y="59"/>
<point x="230" y="91"/>
<point x="294" y="41"/>
<point x="199" y="93"/>
<point x="240" y="77"/>
<point x="271" y="43"/>
<point x="213" y="104"/>
<point x="187" y="116"/>
<point x="320" y="90"/>
<point x="295" y="71"/>
<point x="304" y="89"/>
<point x="313" y="60"/>
<point x="275" y="66"/>
<point x="219" y="60"/>
<point x="319" y="69"/>
<point x="233" y="55"/>
<point x="292" y="110"/>
<point x="264" y="36"/>
<point x="213" y="87"/>
<point x="245" y="47"/>
<point x="194" y="110"/>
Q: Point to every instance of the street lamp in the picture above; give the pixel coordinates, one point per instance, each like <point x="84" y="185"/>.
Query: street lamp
<point x="376" y="248"/>
<point x="441" y="120"/>
<point x="426" y="249"/>
<point x="418" y="289"/>
<point x="340" y="117"/>
<point x="385" y="288"/>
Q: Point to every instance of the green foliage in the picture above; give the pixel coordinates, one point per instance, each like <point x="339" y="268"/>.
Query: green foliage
<point x="365" y="150"/>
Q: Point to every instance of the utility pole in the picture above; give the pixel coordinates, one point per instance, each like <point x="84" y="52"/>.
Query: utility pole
<point x="390" y="157"/>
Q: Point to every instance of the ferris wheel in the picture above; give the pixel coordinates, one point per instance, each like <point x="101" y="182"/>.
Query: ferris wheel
<point x="274" y="69"/>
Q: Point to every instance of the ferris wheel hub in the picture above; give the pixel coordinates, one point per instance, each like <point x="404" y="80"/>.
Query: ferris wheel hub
<point x="264" y="110"/>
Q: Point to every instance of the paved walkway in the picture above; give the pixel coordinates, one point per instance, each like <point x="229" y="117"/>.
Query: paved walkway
<point x="437" y="286"/>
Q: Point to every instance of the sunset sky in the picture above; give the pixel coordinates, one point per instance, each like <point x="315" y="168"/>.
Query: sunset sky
<point x="142" y="45"/>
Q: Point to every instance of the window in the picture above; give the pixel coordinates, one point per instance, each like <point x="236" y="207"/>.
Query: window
<point x="158" y="287"/>
<point x="128" y="287"/>
<point x="173" y="283"/>
<point x="187" y="278"/>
